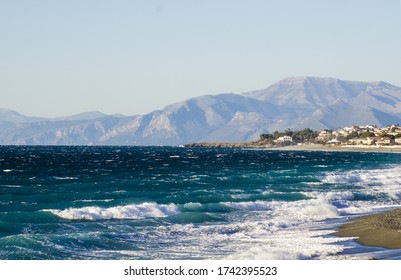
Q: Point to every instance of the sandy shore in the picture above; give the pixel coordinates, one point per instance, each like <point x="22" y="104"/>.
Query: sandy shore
<point x="382" y="230"/>
<point x="308" y="147"/>
<point x="360" y="148"/>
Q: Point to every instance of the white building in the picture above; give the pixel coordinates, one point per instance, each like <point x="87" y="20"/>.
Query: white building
<point x="334" y="142"/>
<point x="284" y="139"/>
<point x="324" y="135"/>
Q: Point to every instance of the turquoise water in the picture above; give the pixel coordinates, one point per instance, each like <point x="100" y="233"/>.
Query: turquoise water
<point x="181" y="203"/>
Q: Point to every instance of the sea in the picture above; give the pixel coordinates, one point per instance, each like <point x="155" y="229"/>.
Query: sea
<point x="178" y="203"/>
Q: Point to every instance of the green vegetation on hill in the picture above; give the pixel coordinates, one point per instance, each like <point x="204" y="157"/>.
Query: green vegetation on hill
<point x="306" y="135"/>
<point x="354" y="135"/>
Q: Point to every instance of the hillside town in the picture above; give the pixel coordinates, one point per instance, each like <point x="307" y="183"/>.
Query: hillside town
<point x="368" y="135"/>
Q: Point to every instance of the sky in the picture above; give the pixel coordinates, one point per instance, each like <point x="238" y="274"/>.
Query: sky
<point x="131" y="57"/>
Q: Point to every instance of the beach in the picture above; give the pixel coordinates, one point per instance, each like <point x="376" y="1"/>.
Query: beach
<point x="348" y="148"/>
<point x="303" y="147"/>
<point x="380" y="230"/>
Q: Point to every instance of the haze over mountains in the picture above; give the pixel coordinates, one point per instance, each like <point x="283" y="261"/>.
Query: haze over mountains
<point x="293" y="103"/>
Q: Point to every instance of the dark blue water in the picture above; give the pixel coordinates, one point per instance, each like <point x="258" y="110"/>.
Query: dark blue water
<point x="181" y="203"/>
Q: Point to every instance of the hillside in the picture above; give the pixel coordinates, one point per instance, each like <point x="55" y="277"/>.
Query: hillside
<point x="293" y="103"/>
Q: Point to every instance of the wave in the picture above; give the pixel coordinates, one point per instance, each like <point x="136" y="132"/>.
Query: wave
<point x="249" y="205"/>
<point x="65" y="178"/>
<point x="11" y="186"/>
<point x="341" y="178"/>
<point x="291" y="245"/>
<point x="331" y="196"/>
<point x="302" y="211"/>
<point x="93" y="200"/>
<point x="285" y="213"/>
<point x="207" y="207"/>
<point x="193" y="218"/>
<point x="133" y="211"/>
<point x="376" y="176"/>
<point x="371" y="182"/>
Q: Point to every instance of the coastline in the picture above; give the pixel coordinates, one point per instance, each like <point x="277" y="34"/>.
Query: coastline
<point x="377" y="230"/>
<point x="304" y="147"/>
<point x="354" y="148"/>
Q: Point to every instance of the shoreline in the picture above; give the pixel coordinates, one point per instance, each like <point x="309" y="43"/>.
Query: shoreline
<point x="355" y="148"/>
<point x="305" y="147"/>
<point x="376" y="230"/>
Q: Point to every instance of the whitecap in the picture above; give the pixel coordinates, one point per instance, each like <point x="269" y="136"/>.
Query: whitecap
<point x="12" y="186"/>
<point x="248" y="205"/>
<point x="65" y="178"/>
<point x="132" y="211"/>
<point x="332" y="195"/>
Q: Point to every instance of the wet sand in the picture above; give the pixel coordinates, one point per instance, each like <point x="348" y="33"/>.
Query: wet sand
<point x="381" y="230"/>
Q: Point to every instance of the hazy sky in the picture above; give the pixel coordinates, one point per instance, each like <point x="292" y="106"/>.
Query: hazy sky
<point x="129" y="56"/>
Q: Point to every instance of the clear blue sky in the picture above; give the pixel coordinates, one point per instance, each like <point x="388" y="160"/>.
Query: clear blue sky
<point x="129" y="56"/>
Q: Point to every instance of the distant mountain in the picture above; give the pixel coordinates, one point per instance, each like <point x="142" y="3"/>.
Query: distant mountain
<point x="196" y="119"/>
<point x="9" y="119"/>
<point x="83" y="116"/>
<point x="10" y="116"/>
<point x="331" y="103"/>
<point x="294" y="103"/>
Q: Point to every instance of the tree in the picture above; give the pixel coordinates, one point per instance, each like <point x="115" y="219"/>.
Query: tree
<point x="367" y="134"/>
<point x="352" y="135"/>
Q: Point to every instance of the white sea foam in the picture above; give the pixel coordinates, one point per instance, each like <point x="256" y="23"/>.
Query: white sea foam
<point x="193" y="206"/>
<point x="248" y="205"/>
<point x="371" y="182"/>
<point x="283" y="214"/>
<point x="11" y="186"/>
<point x="65" y="178"/>
<point x="240" y="196"/>
<point x="286" y="233"/>
<point x="331" y="196"/>
<point x="372" y="176"/>
<point x="295" y="212"/>
<point x="132" y="211"/>
<point x="254" y="238"/>
<point x="318" y="210"/>
<point x="278" y="230"/>
<point x="315" y="209"/>
<point x="289" y="245"/>
<point x="93" y="200"/>
<point x="394" y="194"/>
<point x="342" y="178"/>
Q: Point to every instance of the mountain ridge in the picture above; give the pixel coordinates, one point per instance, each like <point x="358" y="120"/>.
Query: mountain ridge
<point x="294" y="103"/>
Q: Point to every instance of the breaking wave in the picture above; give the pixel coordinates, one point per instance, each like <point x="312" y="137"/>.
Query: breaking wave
<point x="370" y="182"/>
<point x="133" y="211"/>
<point x="389" y="176"/>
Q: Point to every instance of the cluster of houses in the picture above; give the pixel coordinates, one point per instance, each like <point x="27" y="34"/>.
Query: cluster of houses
<point x="362" y="135"/>
<point x="355" y="135"/>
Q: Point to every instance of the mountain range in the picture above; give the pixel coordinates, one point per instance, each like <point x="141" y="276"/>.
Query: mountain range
<point x="294" y="103"/>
